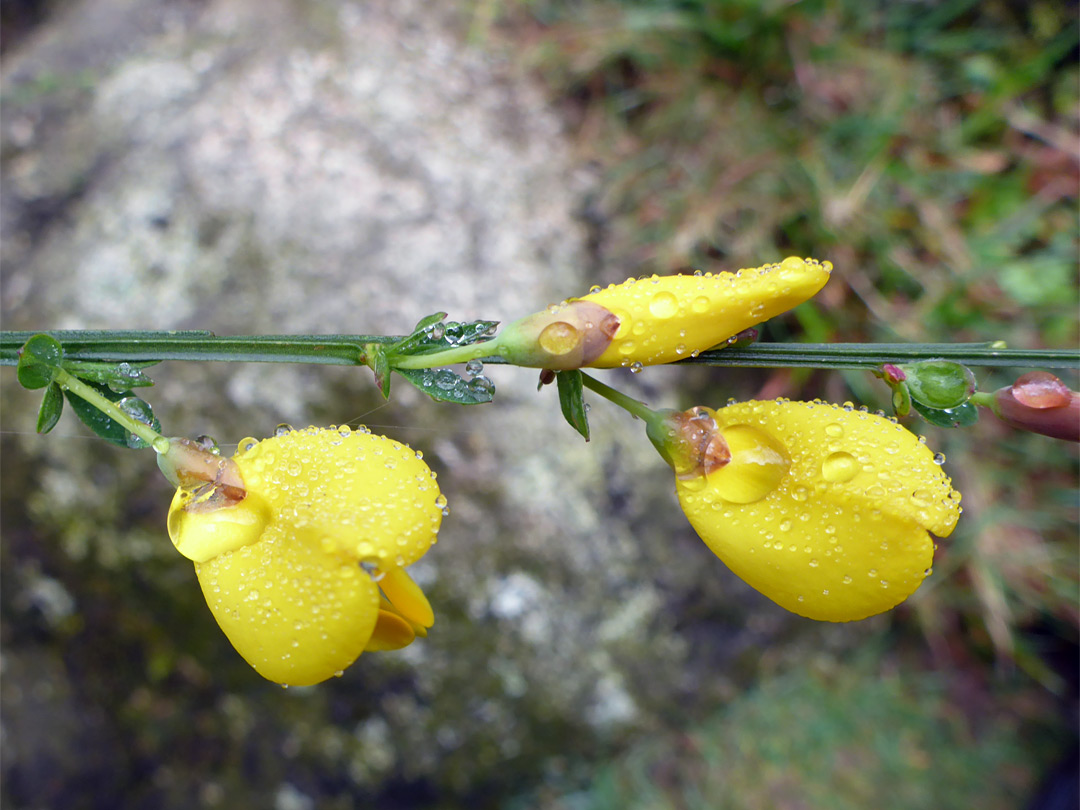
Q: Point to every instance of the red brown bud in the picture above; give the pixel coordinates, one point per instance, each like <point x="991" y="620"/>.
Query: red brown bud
<point x="1041" y="403"/>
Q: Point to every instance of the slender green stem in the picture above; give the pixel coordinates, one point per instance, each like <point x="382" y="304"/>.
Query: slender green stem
<point x="448" y="357"/>
<point x="871" y="355"/>
<point x="636" y="407"/>
<point x="984" y="399"/>
<point x="152" y="347"/>
<point x="110" y="409"/>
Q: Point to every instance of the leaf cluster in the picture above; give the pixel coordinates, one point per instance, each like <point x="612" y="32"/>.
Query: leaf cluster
<point x="42" y="361"/>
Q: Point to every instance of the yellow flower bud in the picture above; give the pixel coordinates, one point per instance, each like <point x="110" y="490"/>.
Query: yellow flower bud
<point x="825" y="510"/>
<point x="293" y="561"/>
<point x="659" y="319"/>
<point x="666" y="318"/>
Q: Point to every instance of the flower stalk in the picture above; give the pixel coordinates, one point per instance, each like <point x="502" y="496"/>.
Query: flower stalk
<point x="348" y="350"/>
<point x="110" y="409"/>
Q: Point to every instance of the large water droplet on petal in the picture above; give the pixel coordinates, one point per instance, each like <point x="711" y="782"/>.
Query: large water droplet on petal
<point x="839" y="467"/>
<point x="663" y="305"/>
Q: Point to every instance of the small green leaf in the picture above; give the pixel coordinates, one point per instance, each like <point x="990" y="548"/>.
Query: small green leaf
<point x="963" y="415"/>
<point x="382" y="373"/>
<point x="52" y="405"/>
<point x="430" y="320"/>
<point x="574" y="409"/>
<point x="118" y="376"/>
<point x="901" y="400"/>
<point x="445" y="385"/>
<point x="939" y="384"/>
<point x="437" y="337"/>
<point x="104" y="426"/>
<point x="39" y="358"/>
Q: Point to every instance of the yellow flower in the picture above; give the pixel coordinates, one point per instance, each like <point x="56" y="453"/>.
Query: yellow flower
<point x="659" y="319"/>
<point x="300" y="543"/>
<point x="824" y="509"/>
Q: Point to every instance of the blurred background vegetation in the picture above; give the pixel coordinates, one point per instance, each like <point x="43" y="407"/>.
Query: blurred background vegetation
<point x="931" y="151"/>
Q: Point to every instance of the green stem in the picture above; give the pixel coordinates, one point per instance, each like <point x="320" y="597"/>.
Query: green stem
<point x="153" y="347"/>
<point x="347" y="350"/>
<point x="867" y="356"/>
<point x="110" y="409"/>
<point x="448" y="357"/>
<point x="633" y="406"/>
<point x="984" y="399"/>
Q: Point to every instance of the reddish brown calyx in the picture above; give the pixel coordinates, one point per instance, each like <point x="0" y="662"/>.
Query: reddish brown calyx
<point x="560" y="338"/>
<point x="214" y="482"/>
<point x="690" y="441"/>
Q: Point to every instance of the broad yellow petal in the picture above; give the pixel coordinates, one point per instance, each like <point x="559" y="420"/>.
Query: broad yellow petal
<point x="391" y="633"/>
<point x="407" y="598"/>
<point x="295" y="613"/>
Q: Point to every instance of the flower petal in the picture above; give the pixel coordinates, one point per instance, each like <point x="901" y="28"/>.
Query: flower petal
<point x="391" y="633"/>
<point x="407" y="598"/>
<point x="348" y="492"/>
<point x="295" y="613"/>
<point x="840" y="532"/>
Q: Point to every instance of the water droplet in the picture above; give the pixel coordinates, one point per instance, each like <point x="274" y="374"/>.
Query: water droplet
<point x="835" y="430"/>
<point x="663" y="305"/>
<point x="636" y="367"/>
<point x="884" y="584"/>
<point x="371" y="568"/>
<point x="813" y="563"/>
<point x="785" y="526"/>
<point x="436" y="331"/>
<point x="921" y="497"/>
<point x="700" y="304"/>
<point x="939" y="458"/>
<point x="839" y="467"/>
<point x="847" y="579"/>
<point x="474" y="367"/>
<point x="208" y="444"/>
<point x="559" y="338"/>
<point x="800" y="494"/>
<point x="282" y="429"/>
<point x="481" y="385"/>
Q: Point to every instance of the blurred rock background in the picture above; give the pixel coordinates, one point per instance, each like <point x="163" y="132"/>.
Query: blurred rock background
<point x="328" y="167"/>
